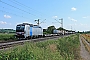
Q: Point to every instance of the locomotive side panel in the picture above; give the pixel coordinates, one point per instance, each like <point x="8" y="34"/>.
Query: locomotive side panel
<point x="31" y="31"/>
<point x="27" y="31"/>
<point x="37" y="31"/>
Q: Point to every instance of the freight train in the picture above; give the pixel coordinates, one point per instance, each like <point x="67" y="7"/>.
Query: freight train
<point x="26" y="31"/>
<point x="63" y="32"/>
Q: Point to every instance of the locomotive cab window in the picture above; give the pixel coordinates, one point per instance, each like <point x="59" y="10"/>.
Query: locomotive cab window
<point x="20" y="28"/>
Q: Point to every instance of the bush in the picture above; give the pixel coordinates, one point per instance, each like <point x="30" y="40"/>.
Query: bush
<point x="68" y="47"/>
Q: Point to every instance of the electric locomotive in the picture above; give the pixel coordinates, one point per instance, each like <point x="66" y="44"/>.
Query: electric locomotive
<point x="26" y="30"/>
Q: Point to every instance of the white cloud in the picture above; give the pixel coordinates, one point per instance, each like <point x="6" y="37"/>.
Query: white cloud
<point x="73" y="24"/>
<point x="86" y="17"/>
<point x="83" y="24"/>
<point x="72" y="19"/>
<point x="7" y="16"/>
<point x="55" y="17"/>
<point x="2" y="22"/>
<point x="73" y="9"/>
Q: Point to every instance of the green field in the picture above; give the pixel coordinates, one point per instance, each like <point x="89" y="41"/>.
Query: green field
<point x="7" y="36"/>
<point x="62" y="49"/>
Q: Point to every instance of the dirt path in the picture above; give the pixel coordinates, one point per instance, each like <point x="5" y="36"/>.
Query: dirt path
<point x="84" y="53"/>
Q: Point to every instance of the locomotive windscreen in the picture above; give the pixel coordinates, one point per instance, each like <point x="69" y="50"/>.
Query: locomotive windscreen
<point x="20" y="28"/>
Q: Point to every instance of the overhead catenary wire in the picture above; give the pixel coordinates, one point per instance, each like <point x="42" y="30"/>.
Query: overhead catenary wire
<point x="23" y="5"/>
<point x="12" y="14"/>
<point x="16" y="8"/>
<point x="10" y="9"/>
<point x="29" y="7"/>
<point x="42" y="21"/>
<point x="58" y="21"/>
<point x="15" y="3"/>
<point x="19" y="4"/>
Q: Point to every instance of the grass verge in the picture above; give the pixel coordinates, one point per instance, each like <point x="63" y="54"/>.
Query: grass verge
<point x="62" y="49"/>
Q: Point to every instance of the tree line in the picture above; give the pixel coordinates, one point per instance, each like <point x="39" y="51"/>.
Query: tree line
<point x="7" y="31"/>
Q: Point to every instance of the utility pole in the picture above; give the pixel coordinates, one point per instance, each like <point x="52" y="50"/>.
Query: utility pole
<point x="62" y="25"/>
<point x="71" y="28"/>
<point x="61" y="22"/>
<point x="37" y="22"/>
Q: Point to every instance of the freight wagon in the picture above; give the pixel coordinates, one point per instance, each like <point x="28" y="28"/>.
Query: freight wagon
<point x="58" y="32"/>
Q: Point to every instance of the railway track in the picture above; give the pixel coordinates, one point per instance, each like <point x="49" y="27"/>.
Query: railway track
<point x="15" y="43"/>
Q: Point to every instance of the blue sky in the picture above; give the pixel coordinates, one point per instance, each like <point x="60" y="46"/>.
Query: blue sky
<point x="75" y="13"/>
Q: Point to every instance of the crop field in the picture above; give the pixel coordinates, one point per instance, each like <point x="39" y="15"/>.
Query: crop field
<point x="87" y="37"/>
<point x="67" y="48"/>
<point x="5" y="37"/>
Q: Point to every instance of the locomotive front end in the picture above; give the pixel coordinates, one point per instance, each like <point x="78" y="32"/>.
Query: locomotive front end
<point x="20" y="31"/>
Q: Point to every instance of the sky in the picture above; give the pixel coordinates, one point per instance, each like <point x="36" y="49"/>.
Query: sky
<point x="75" y="13"/>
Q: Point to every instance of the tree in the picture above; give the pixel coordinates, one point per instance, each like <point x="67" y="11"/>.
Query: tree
<point x="50" y="29"/>
<point x="78" y="32"/>
<point x="60" y="28"/>
<point x="44" y="30"/>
